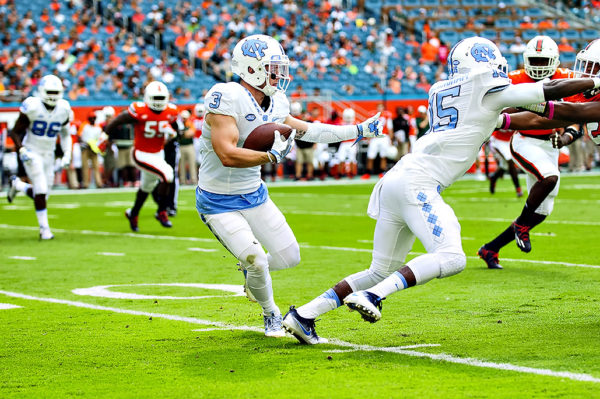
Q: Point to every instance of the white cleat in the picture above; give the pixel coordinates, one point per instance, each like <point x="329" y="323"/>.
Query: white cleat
<point x="365" y="303"/>
<point x="301" y="328"/>
<point x="46" y="234"/>
<point x="273" y="326"/>
<point x="12" y="189"/>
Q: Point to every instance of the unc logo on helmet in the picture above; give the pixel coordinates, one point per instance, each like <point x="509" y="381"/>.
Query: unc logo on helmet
<point x="254" y="48"/>
<point x="483" y="52"/>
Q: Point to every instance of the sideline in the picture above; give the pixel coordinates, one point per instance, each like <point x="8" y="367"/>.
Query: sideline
<point x="367" y="348"/>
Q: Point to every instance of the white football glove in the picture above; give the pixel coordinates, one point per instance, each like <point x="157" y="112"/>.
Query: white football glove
<point x="65" y="162"/>
<point x="370" y="128"/>
<point x="281" y="147"/>
<point x="25" y="155"/>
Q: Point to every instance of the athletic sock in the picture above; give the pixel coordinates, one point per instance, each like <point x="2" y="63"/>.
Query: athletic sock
<point x="322" y="304"/>
<point x="395" y="282"/>
<point x="529" y="218"/>
<point x="140" y="198"/>
<point x="501" y="240"/>
<point x="42" y="217"/>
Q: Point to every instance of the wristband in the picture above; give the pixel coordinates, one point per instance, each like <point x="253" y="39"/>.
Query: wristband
<point x="504" y="123"/>
<point x="550" y="110"/>
<point x="596" y="82"/>
<point x="271" y="160"/>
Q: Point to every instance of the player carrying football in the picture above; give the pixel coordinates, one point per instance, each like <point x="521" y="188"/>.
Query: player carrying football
<point x="41" y="119"/>
<point x="407" y="202"/>
<point x="231" y="198"/>
<point x="533" y="152"/>
<point x="154" y="122"/>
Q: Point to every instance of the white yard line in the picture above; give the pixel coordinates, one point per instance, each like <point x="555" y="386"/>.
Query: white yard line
<point x="368" y="348"/>
<point x="308" y="246"/>
<point x="111" y="253"/>
<point x="22" y="257"/>
<point x="6" y="306"/>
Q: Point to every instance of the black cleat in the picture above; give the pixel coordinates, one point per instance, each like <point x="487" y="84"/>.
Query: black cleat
<point x="163" y="219"/>
<point x="133" y="220"/>
<point x="489" y="257"/>
<point x="522" y="237"/>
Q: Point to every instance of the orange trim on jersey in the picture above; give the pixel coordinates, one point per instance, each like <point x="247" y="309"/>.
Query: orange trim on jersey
<point x="538" y="46"/>
<point x="525" y="164"/>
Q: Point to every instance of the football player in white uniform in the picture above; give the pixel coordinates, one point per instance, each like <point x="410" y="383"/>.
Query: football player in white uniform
<point x="231" y="198"/>
<point x="41" y="119"/>
<point x="407" y="201"/>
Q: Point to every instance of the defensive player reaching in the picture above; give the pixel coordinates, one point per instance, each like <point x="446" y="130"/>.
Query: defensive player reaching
<point x="231" y="198"/>
<point x="154" y="121"/>
<point x="533" y="152"/>
<point x="585" y="107"/>
<point x="407" y="201"/>
<point x="41" y="119"/>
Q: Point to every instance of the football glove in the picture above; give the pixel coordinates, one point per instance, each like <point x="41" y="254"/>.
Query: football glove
<point x="65" y="161"/>
<point x="570" y="135"/>
<point x="169" y="133"/>
<point x="281" y="147"/>
<point x="369" y="128"/>
<point x="25" y="155"/>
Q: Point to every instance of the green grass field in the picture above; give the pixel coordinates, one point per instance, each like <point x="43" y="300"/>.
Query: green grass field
<point x="530" y="330"/>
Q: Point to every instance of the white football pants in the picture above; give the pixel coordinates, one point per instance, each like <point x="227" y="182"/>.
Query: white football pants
<point x="153" y="169"/>
<point x="408" y="207"/>
<point x="245" y="232"/>
<point x="40" y="170"/>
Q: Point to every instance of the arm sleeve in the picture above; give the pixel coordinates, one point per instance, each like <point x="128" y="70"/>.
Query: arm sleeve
<point x="514" y="96"/>
<point x="325" y="133"/>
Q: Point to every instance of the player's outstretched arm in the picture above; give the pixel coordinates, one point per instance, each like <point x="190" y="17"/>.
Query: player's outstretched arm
<point x="326" y="133"/>
<point x="224" y="135"/>
<point x="19" y="129"/>
<point x="561" y="88"/>
<point x="123" y="118"/>
<point x="562" y="114"/>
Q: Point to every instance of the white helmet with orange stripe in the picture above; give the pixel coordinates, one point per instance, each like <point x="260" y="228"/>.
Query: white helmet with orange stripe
<point x="156" y="96"/>
<point x="541" y="57"/>
<point x="587" y="63"/>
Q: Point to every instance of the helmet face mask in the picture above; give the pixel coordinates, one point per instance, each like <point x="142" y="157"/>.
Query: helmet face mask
<point x="260" y="61"/>
<point x="587" y="63"/>
<point x="541" y="57"/>
<point x="475" y="53"/>
<point x="50" y="90"/>
<point x="156" y="96"/>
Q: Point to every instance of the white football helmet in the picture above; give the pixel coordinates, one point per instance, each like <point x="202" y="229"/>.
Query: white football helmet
<point x="50" y="90"/>
<point x="295" y="108"/>
<point x="257" y="58"/>
<point x="543" y="51"/>
<point x="475" y="53"/>
<point x="587" y="63"/>
<point x="185" y="114"/>
<point x="108" y="112"/>
<point x="156" y="96"/>
<point x="199" y="110"/>
<point x="348" y="116"/>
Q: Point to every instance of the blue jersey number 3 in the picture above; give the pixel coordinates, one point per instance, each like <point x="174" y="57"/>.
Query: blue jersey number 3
<point x="447" y="117"/>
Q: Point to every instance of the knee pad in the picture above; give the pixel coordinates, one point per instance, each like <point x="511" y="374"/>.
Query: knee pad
<point x="451" y="263"/>
<point x="254" y="259"/>
<point x="284" y="259"/>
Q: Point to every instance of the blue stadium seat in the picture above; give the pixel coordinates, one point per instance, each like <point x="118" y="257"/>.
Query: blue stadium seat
<point x="450" y="3"/>
<point x="571" y="34"/>
<point x="470" y="3"/>
<point x="529" y="34"/>
<point x="589" y="34"/>
<point x="504" y="23"/>
<point x="412" y="3"/>
<point x="430" y="3"/>
<point x="449" y="37"/>
<point x="567" y="59"/>
<point x="490" y="34"/>
<point x="535" y="13"/>
<point x="512" y="61"/>
<point x="555" y="34"/>
<point x="508" y="34"/>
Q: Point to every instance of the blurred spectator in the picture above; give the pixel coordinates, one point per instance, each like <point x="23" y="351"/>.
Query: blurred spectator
<point x="188" y="174"/>
<point x="89" y="134"/>
<point x="564" y="46"/>
<point x="401" y="129"/>
<point x="422" y="121"/>
<point x="304" y="150"/>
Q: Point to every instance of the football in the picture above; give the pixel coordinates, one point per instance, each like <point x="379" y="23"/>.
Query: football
<point x="261" y="138"/>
